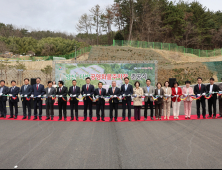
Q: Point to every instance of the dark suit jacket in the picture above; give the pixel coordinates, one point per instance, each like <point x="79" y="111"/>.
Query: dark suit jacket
<point x="103" y="93"/>
<point x="64" y="93"/>
<point x="14" y="93"/>
<point x="4" y="92"/>
<point x="90" y="91"/>
<point x="129" y="91"/>
<point x="117" y="93"/>
<point x="40" y="91"/>
<point x="76" y="92"/>
<point x="27" y="92"/>
<point x="203" y="90"/>
<point x="160" y="100"/>
<point x="52" y="93"/>
<point x="215" y="89"/>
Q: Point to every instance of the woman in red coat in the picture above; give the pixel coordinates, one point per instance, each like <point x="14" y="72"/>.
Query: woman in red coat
<point x="176" y="93"/>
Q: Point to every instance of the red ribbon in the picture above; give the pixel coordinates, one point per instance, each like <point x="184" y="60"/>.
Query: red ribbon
<point x="14" y="98"/>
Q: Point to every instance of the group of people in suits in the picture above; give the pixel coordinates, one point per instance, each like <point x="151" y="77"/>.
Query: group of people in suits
<point x="127" y="91"/>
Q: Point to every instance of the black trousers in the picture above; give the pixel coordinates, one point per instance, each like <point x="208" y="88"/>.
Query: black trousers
<point x="128" y="103"/>
<point x="74" y="105"/>
<point x="203" y="103"/>
<point x="146" y="108"/>
<point x="62" y="108"/>
<point x="49" y="109"/>
<point x="212" y="102"/>
<point x="3" y="108"/>
<point x="100" y="107"/>
<point x="220" y="105"/>
<point x="37" y="102"/>
<point x="88" y="103"/>
<point x="113" y="106"/>
<point x="26" y="104"/>
<point x="15" y="105"/>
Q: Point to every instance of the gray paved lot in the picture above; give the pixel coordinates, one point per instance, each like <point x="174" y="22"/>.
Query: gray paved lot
<point x="180" y="144"/>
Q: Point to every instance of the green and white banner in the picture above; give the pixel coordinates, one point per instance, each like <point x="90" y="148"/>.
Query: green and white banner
<point x="105" y="73"/>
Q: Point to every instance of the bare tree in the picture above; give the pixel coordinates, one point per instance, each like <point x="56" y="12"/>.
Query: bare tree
<point x="84" y="24"/>
<point x="96" y="15"/>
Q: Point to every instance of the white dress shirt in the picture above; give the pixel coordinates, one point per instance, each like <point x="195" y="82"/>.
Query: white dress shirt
<point x="211" y="88"/>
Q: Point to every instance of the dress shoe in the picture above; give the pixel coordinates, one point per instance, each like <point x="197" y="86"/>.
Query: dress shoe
<point x="59" y="119"/>
<point x="11" y="117"/>
<point x="47" y="118"/>
<point x="97" y="120"/>
<point x="111" y="120"/>
<point x="35" y="118"/>
<point x="65" y="119"/>
<point x="52" y="118"/>
<point x="189" y="118"/>
<point x="77" y="119"/>
<point x="204" y="117"/>
<point x="130" y="120"/>
<point x="116" y="120"/>
<point x="219" y="117"/>
<point x="2" y="115"/>
<point x="15" y="117"/>
<point x="84" y="120"/>
<point x="145" y="119"/>
<point x="29" y="118"/>
<point x="103" y="120"/>
<point x="198" y="117"/>
<point x="91" y="119"/>
<point x="214" y="117"/>
<point x="71" y="119"/>
<point x="40" y="118"/>
<point x="24" y="118"/>
<point x="209" y="117"/>
<point x="123" y="119"/>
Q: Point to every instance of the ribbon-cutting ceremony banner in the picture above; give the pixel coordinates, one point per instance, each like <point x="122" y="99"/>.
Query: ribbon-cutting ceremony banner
<point x="105" y="72"/>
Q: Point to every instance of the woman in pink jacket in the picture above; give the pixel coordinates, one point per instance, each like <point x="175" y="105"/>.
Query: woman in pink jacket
<point x="187" y="92"/>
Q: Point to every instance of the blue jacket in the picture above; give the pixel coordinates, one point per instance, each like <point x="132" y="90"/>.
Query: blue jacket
<point x="40" y="91"/>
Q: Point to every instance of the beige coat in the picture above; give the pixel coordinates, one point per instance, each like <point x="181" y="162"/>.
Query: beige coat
<point x="138" y="101"/>
<point x="152" y="91"/>
<point x="167" y="92"/>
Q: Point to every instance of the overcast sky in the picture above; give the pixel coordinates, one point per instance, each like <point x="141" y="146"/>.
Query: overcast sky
<point x="58" y="15"/>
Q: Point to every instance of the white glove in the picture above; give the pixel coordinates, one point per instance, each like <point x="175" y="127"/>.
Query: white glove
<point x="169" y="95"/>
<point x="185" y="95"/>
<point x="151" y="95"/>
<point x="39" y="96"/>
<point x="124" y="95"/>
<point x="70" y="95"/>
<point x="178" y="96"/>
<point x="57" y="96"/>
<point x="84" y="95"/>
<point x="45" y="96"/>
<point x="1" y="94"/>
<point x="60" y="96"/>
<point x="146" y="95"/>
<point x="161" y="97"/>
<point x="175" y="95"/>
<point x="32" y="95"/>
<point x="198" y="95"/>
<point x="10" y="95"/>
<point x="115" y="96"/>
<point x="88" y="94"/>
<point x="135" y="95"/>
<point x="73" y="95"/>
<point x="25" y="96"/>
<point x="204" y="94"/>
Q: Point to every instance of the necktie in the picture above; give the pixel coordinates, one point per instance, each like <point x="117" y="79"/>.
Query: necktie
<point x="25" y="88"/>
<point x="126" y="88"/>
<point x="87" y="87"/>
<point x="113" y="90"/>
<point x="60" y="90"/>
<point x="37" y="87"/>
<point x="200" y="87"/>
<point x="100" y="92"/>
<point x="74" y="89"/>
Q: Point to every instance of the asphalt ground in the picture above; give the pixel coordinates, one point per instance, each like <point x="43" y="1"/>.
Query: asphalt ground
<point x="123" y="145"/>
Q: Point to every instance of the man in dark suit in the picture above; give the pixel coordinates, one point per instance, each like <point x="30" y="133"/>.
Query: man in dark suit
<point x="200" y="90"/>
<point x="26" y="92"/>
<point x="87" y="92"/>
<point x="62" y="93"/>
<point x="13" y="99"/>
<point x="38" y="91"/>
<point x="220" y="101"/>
<point x="100" y="93"/>
<point x="74" y="92"/>
<point x="114" y="102"/>
<point x="127" y="91"/>
<point x="3" y="99"/>
<point x="50" y="94"/>
<point x="213" y="100"/>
